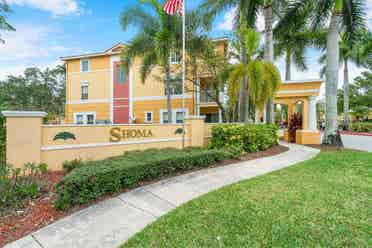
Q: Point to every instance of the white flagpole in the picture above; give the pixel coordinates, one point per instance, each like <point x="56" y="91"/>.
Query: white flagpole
<point x="183" y="69"/>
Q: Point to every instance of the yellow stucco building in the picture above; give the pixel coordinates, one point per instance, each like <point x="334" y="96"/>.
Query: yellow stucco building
<point x="99" y="90"/>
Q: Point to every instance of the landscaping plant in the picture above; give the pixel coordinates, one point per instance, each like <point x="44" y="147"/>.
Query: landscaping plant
<point x="97" y="178"/>
<point x="244" y="138"/>
<point x="363" y="127"/>
<point x="295" y="123"/>
<point x="18" y="185"/>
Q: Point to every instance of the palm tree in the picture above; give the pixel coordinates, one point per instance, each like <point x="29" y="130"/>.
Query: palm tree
<point x="355" y="52"/>
<point x="246" y="11"/>
<point x="291" y="41"/>
<point x="263" y="77"/>
<point x="4" y="25"/>
<point x="158" y="36"/>
<point x="347" y="15"/>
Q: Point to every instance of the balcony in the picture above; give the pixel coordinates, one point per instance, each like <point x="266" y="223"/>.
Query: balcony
<point x="206" y="97"/>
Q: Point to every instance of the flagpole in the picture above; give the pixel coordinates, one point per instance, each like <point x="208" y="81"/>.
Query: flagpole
<point x="183" y="69"/>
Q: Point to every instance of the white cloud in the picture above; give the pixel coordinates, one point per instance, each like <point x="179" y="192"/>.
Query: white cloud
<point x="227" y="24"/>
<point x="56" y="7"/>
<point x="228" y="20"/>
<point x="31" y="45"/>
<point x="25" y="43"/>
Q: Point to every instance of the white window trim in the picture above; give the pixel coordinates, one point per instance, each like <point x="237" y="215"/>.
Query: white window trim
<point x="85" y="119"/>
<point x="81" y="65"/>
<point x="174" y="111"/>
<point x="152" y="116"/>
<point x="170" y="58"/>
<point x="84" y="83"/>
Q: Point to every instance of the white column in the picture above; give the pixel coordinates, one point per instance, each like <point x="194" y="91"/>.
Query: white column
<point x="197" y="97"/>
<point x="257" y="116"/>
<point x="312" y="113"/>
<point x="220" y="116"/>
<point x="264" y="114"/>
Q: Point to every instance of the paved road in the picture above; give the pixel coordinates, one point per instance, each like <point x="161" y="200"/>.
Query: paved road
<point x="112" y="222"/>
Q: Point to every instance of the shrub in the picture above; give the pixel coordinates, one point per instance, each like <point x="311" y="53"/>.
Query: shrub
<point x="97" y="178"/>
<point x="295" y="123"/>
<point x="244" y="138"/>
<point x="68" y="166"/>
<point x="18" y="184"/>
<point x="364" y="127"/>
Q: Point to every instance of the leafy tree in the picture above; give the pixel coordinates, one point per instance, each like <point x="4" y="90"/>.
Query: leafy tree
<point x="159" y="34"/>
<point x="36" y="90"/>
<point x="350" y="16"/>
<point x="263" y="77"/>
<point x="4" y="25"/>
<point x="360" y="95"/>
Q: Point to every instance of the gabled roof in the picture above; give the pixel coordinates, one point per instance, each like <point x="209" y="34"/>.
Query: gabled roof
<point x="116" y="49"/>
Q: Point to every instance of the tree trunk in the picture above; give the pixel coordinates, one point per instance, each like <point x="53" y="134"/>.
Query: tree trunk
<point x="288" y="64"/>
<point x="169" y="93"/>
<point x="332" y="80"/>
<point x="243" y="87"/>
<point x="269" y="55"/>
<point x="346" y="94"/>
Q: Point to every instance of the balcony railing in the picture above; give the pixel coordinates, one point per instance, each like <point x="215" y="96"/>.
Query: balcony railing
<point x="206" y="96"/>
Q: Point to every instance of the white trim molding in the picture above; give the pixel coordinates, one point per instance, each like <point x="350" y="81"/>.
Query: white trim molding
<point x="23" y="113"/>
<point x="297" y="91"/>
<point x="85" y="117"/>
<point x="152" y="98"/>
<point x="93" y="145"/>
<point x="81" y="64"/>
<point x="174" y="114"/>
<point x="303" y="81"/>
<point x="88" y="101"/>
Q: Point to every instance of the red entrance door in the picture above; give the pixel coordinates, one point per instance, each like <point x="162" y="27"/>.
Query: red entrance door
<point x="121" y="93"/>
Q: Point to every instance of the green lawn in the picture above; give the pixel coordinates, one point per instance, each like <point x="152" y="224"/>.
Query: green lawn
<point x="323" y="202"/>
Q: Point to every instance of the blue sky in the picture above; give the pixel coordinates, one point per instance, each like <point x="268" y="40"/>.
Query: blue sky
<point x="49" y="29"/>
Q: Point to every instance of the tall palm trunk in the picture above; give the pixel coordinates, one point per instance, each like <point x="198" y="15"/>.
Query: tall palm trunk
<point x="346" y="93"/>
<point x="243" y="94"/>
<point x="269" y="55"/>
<point x="243" y="106"/>
<point x="288" y="64"/>
<point x="332" y="79"/>
<point x="169" y="93"/>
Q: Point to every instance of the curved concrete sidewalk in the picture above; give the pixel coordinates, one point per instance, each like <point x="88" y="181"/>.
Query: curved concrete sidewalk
<point x="112" y="222"/>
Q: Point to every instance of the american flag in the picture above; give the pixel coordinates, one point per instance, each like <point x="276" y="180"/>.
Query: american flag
<point x="171" y="6"/>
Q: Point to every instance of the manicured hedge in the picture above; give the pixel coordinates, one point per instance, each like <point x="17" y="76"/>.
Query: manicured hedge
<point x="364" y="127"/>
<point x="244" y="138"/>
<point x="97" y="178"/>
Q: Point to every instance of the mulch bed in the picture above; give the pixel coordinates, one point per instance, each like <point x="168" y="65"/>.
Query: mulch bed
<point x="40" y="212"/>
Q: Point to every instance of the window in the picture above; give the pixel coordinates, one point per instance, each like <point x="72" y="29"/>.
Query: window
<point x="84" y="65"/>
<point x="79" y="119"/>
<point x="121" y="74"/>
<point x="90" y="119"/>
<point x="175" y="58"/>
<point x="148" y="117"/>
<point x="85" y="118"/>
<point x="179" y="116"/>
<point x="84" y="92"/>
<point x="165" y="117"/>
<point x="175" y="87"/>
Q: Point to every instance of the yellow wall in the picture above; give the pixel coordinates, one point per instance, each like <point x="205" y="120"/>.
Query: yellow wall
<point x="30" y="141"/>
